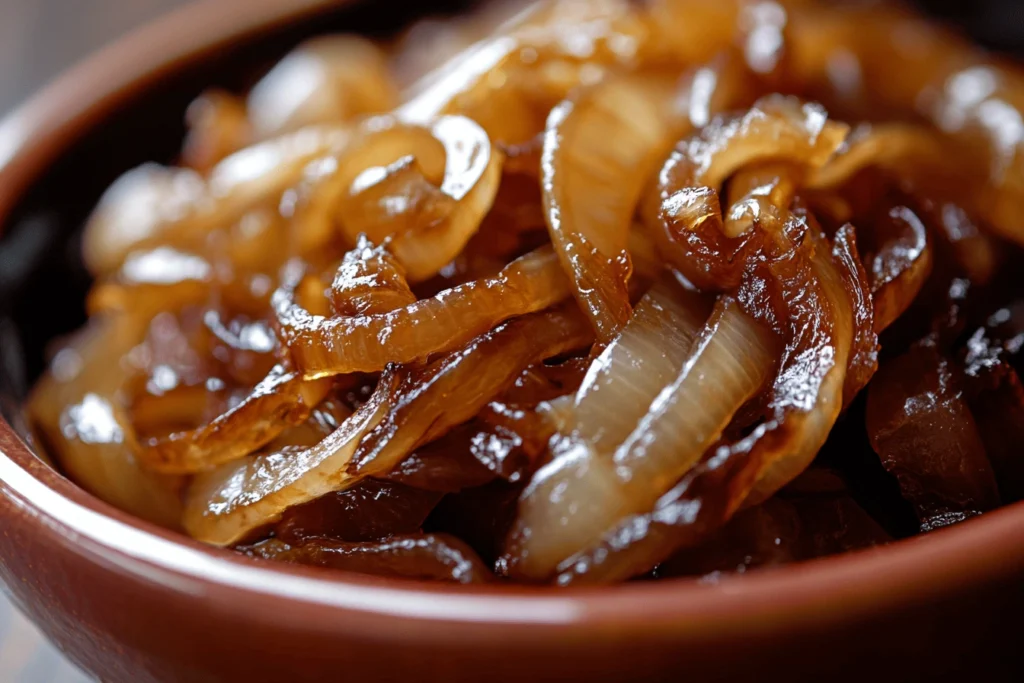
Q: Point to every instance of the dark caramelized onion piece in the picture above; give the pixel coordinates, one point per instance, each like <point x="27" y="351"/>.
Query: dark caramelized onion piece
<point x="432" y="556"/>
<point x="926" y="436"/>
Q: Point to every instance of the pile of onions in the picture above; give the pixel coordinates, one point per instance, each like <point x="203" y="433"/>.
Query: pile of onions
<point x="618" y="290"/>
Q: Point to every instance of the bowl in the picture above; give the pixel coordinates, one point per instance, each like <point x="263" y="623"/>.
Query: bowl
<point x="128" y="601"/>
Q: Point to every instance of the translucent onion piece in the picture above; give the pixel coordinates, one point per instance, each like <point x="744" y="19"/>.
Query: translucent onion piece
<point x="471" y="176"/>
<point x="86" y="430"/>
<point x="572" y="501"/>
<point x="685" y="217"/>
<point x="598" y="150"/>
<point x="217" y="127"/>
<point x="369" y="280"/>
<point x="925" y="435"/>
<point x="806" y="398"/>
<point x="152" y="203"/>
<point x="367" y="343"/>
<point x="273" y="405"/>
<point x="624" y="380"/>
<point x="330" y="79"/>
<point x="152" y="281"/>
<point x="900" y="267"/>
<point x="602" y="32"/>
<point x="906" y="151"/>
<point x="437" y="557"/>
<point x="228" y="504"/>
<point x="428" y="188"/>
<point x="452" y="389"/>
<point x="864" y="351"/>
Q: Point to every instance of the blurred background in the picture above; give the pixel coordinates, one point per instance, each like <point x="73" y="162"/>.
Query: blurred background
<point x="39" y="38"/>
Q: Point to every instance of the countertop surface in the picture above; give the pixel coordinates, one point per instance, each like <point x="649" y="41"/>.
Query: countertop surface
<point x="38" y="39"/>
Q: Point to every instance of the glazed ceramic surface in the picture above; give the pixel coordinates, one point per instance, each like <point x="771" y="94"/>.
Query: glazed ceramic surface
<point x="129" y="602"/>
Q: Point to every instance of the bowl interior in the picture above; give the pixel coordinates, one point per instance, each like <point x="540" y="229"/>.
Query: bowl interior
<point x="42" y="278"/>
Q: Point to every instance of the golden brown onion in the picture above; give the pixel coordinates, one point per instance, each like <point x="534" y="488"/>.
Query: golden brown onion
<point x="87" y="429"/>
<point x="599" y="148"/>
<point x="367" y="343"/>
<point x="330" y="79"/>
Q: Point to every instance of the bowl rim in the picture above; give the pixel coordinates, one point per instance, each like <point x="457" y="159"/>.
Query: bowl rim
<point x="850" y="586"/>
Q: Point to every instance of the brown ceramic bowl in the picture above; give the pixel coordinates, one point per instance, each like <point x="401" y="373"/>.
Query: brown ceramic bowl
<point x="130" y="602"/>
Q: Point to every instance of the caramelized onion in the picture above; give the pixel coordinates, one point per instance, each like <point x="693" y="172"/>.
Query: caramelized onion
<point x="431" y="556"/>
<point x="367" y="343"/>
<point x="926" y="436"/>
<point x="685" y="216"/>
<point x="155" y="203"/>
<point x="479" y="372"/>
<point x="87" y="429"/>
<point x="269" y="409"/>
<point x="598" y="149"/>
<point x="583" y="492"/>
<point x="331" y="79"/>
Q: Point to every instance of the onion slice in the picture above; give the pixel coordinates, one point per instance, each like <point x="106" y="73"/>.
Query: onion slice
<point x="87" y="430"/>
<point x="451" y="390"/>
<point x="598" y="148"/>
<point x="152" y="203"/>
<point x="684" y="214"/>
<point x="270" y="408"/>
<point x="572" y="501"/>
<point x="437" y="557"/>
<point x="367" y="343"/>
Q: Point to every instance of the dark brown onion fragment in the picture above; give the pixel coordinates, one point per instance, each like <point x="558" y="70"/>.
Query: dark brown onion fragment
<point x="814" y="516"/>
<point x="995" y="395"/>
<point x="435" y="557"/>
<point x="372" y="510"/>
<point x="864" y="354"/>
<point x="445" y="465"/>
<point x="900" y="264"/>
<point x="927" y="438"/>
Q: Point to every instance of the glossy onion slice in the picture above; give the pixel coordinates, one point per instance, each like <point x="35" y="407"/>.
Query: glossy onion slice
<point x="223" y="507"/>
<point x="685" y="217"/>
<point x="226" y="505"/>
<point x="273" y="405"/>
<point x="367" y="343"/>
<point x="155" y="203"/>
<point x="472" y="172"/>
<point x="581" y="494"/>
<point x="436" y="557"/>
<point x="900" y="266"/>
<point x="599" y="148"/>
<point x="88" y="430"/>
<point x="453" y="389"/>
<point x="331" y="79"/>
